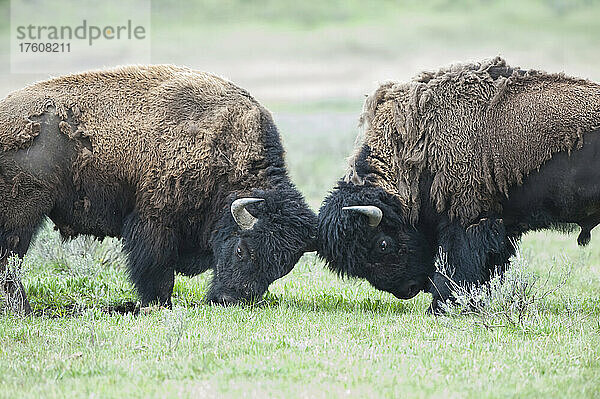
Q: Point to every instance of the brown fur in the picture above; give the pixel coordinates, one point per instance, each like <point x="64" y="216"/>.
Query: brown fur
<point x="476" y="133"/>
<point x="155" y="128"/>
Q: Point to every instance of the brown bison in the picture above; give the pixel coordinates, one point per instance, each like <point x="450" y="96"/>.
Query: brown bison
<point x="187" y="168"/>
<point x="463" y="162"/>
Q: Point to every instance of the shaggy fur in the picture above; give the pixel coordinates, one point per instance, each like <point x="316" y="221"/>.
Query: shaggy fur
<point x="156" y="155"/>
<point x="185" y="127"/>
<point x="477" y="128"/>
<point x="463" y="162"/>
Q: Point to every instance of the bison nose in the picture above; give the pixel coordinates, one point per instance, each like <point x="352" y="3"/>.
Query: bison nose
<point x="412" y="289"/>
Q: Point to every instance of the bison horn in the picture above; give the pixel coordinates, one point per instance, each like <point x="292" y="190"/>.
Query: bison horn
<point x="242" y="217"/>
<point x="374" y="213"/>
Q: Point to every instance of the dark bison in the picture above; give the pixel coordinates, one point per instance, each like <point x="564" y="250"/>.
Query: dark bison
<point x="463" y="162"/>
<point x="185" y="166"/>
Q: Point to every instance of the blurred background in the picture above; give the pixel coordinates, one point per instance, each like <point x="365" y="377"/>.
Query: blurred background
<point x="312" y="62"/>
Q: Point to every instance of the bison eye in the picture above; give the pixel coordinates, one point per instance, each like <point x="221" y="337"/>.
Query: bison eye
<point x="239" y="253"/>
<point x="383" y="245"/>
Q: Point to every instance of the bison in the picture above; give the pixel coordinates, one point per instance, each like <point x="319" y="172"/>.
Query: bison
<point x="462" y="162"/>
<point x="186" y="167"/>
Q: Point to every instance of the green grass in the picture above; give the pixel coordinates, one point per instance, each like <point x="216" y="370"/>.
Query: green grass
<point x="316" y="336"/>
<point x="384" y="27"/>
<point x="311" y="14"/>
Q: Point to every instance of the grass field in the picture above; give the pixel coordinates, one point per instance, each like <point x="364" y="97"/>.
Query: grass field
<point x="317" y="335"/>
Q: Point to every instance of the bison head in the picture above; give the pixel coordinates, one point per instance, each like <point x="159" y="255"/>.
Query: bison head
<point x="362" y="233"/>
<point x="257" y="240"/>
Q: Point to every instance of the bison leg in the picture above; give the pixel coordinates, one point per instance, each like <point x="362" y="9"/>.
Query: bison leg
<point x="155" y="287"/>
<point x="24" y="200"/>
<point x="151" y="251"/>
<point x="14" y="243"/>
<point x="471" y="255"/>
<point x="498" y="262"/>
<point x="12" y="289"/>
<point x="586" y="228"/>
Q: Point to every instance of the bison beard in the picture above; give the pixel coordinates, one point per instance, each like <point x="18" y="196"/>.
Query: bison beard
<point x="464" y="161"/>
<point x="160" y="156"/>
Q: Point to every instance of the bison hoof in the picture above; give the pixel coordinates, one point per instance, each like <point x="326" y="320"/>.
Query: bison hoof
<point x="435" y="309"/>
<point x="584" y="238"/>
<point x="441" y="306"/>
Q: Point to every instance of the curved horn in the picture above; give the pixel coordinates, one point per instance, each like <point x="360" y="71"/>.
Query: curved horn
<point x="374" y="213"/>
<point x="242" y="217"/>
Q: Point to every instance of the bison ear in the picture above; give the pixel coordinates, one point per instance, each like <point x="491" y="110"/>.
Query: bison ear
<point x="240" y="214"/>
<point x="372" y="212"/>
